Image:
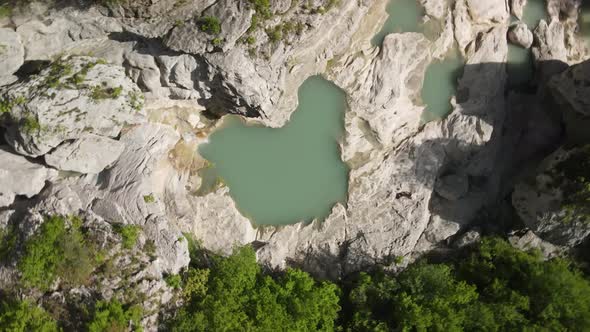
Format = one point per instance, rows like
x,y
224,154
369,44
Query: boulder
x,y
549,204
452,186
571,88
11,55
530,241
19,176
520,34
73,97
88,154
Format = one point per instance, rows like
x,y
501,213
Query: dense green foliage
x,y
492,287
56,250
113,316
129,235
23,316
262,8
234,295
496,288
210,25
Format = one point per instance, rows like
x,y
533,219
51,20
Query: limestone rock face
x,y
517,8
71,98
529,241
11,55
521,35
384,88
234,18
132,186
171,247
88,154
43,40
474,17
572,88
488,11
19,176
544,206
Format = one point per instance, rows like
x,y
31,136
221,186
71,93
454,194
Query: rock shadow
x,y
492,140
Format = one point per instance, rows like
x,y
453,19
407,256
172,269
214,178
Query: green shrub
x,y
174,281
23,316
275,34
99,92
113,316
210,25
129,235
31,124
56,251
262,7
5,11
217,41
149,198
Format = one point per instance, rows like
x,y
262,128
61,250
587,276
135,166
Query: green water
x,y
285,175
534,11
404,16
440,85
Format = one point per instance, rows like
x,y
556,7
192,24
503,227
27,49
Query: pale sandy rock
x,y
472,18
550,41
517,8
315,247
19,176
213,219
446,41
171,254
131,188
59,198
88,154
520,34
11,55
549,49
488,11
530,241
558,9
43,40
469,238
381,101
435,8
44,115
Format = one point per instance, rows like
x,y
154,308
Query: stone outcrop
x,y
71,98
520,35
11,55
19,176
88,154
